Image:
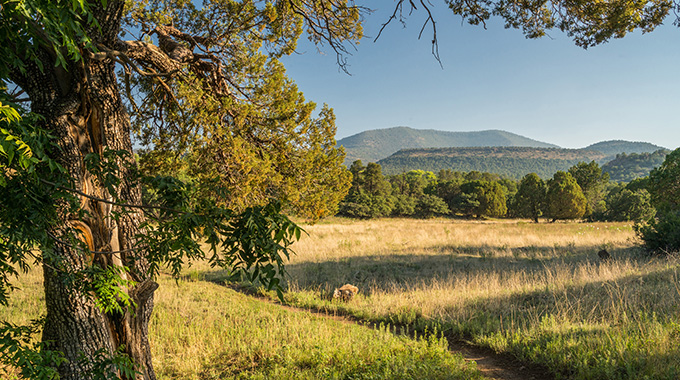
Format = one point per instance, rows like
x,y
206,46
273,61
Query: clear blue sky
x,y
547,89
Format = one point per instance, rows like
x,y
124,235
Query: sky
x,y
546,89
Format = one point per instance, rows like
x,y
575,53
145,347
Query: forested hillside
x,y
614,147
627,167
374,145
511,162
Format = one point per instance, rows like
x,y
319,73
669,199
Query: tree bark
x,y
82,108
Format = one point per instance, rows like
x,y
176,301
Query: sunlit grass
x,y
537,291
201,329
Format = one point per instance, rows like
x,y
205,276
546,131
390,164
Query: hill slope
x,y
627,167
512,162
614,147
373,145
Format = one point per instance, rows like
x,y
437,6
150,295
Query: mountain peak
x,y
376,144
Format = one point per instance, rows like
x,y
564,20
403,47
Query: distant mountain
x,y
512,162
614,147
627,167
373,145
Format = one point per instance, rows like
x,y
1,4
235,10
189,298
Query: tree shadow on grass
x,y
528,320
594,330
402,270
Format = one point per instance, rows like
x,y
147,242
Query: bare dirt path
x,y
491,364
499,366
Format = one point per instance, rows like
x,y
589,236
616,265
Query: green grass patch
x,y
203,330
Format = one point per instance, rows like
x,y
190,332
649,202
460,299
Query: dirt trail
x,y
498,366
491,364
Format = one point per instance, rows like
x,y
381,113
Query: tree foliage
x,y
509,162
628,167
370,194
662,233
588,23
482,198
429,205
530,200
226,105
565,198
592,181
201,85
624,204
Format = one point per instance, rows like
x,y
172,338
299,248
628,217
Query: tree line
x,y
511,162
583,191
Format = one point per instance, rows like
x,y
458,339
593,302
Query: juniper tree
x,y
564,197
530,199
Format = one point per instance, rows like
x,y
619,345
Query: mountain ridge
x,y
376,144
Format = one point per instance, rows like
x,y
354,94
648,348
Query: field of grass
x,y
203,330
539,292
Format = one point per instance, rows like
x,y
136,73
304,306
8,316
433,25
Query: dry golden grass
x,y
539,291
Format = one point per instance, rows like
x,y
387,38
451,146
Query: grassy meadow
x,y
201,329
539,292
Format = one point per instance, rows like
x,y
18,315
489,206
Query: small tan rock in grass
x,y
346,292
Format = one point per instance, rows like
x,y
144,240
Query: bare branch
x,y
435,43
324,29
399,9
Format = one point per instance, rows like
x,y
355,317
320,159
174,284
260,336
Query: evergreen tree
x,y
431,205
530,200
370,194
592,181
404,205
492,200
565,198
202,83
625,205
357,170
412,183
662,233
482,198
197,83
374,183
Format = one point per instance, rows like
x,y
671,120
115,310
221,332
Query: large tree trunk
x,y
83,110
96,121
